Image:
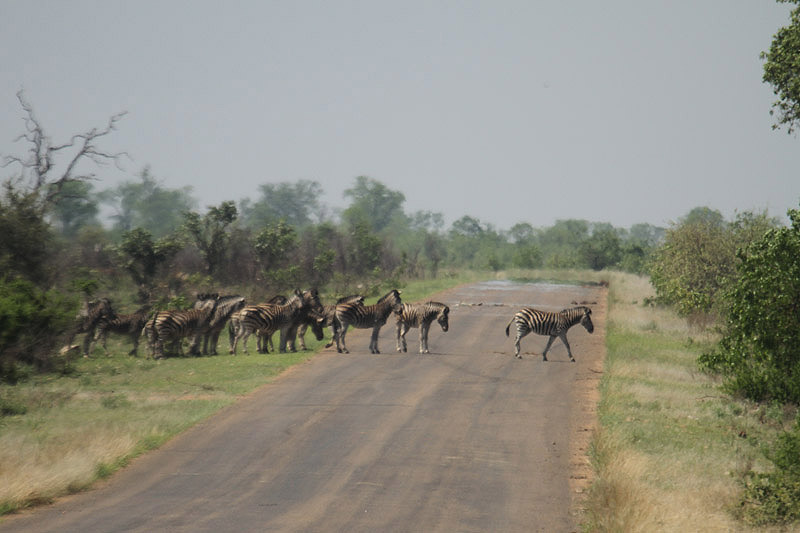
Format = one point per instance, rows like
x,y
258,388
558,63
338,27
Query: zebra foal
x,y
529,320
420,315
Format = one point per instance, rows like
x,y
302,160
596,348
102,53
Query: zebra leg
x,y
301,336
549,343
424,328
569,351
334,336
341,346
373,343
135,350
398,334
402,329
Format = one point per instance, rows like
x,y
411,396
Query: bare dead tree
x,y
39,173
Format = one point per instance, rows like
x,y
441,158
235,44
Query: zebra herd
x,y
166,330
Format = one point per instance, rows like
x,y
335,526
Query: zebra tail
x,y
508,326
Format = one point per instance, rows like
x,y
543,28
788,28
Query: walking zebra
x,y
173,325
328,312
226,306
90,315
555,325
267,319
420,315
363,316
128,324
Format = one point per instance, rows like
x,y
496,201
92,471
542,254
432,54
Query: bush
x,y
31,323
759,353
774,497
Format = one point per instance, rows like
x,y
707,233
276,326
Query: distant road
x,y
466,438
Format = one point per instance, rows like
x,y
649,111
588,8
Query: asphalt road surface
x,y
466,438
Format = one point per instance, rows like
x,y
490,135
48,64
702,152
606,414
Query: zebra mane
x,y
349,299
392,293
581,308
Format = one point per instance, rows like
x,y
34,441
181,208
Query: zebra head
x,y
311,300
586,320
443,318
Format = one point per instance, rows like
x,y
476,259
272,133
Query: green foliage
x,y
140,256
76,206
146,204
293,203
24,235
31,322
698,259
209,233
780,71
759,353
373,204
774,497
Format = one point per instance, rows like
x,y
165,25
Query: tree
x,y
602,249
372,204
141,257
294,203
74,208
759,353
780,70
273,247
48,167
694,262
209,233
147,204
698,259
24,236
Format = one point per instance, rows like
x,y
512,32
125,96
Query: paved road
x,y
464,439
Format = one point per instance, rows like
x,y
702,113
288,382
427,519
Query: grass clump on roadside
x,y
673,451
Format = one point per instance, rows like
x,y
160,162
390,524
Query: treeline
x,y
287,236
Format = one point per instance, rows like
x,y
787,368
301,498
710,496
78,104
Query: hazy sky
x,y
508,111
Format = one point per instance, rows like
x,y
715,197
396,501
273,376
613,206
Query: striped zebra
x,y
529,320
328,313
420,315
267,319
226,306
363,316
87,320
173,325
235,321
127,324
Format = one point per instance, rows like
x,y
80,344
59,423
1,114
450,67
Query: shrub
x,y
759,353
31,322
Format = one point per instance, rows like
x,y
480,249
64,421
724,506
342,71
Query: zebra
x,y
267,319
174,325
226,306
328,313
87,320
128,324
363,316
420,315
548,323
313,319
235,321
